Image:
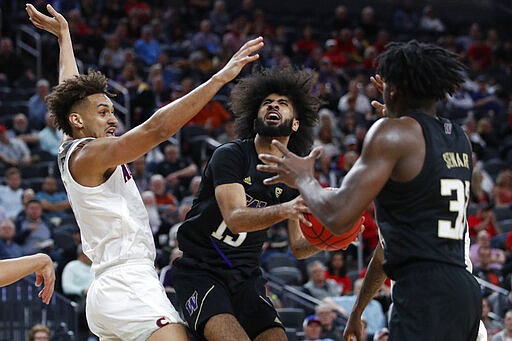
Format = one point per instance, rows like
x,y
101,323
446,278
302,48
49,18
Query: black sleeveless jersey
x,y
203,237
425,219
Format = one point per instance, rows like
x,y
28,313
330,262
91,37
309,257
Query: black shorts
x,y
433,301
201,294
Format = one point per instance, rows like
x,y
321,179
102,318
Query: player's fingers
x,y
39,279
268,159
316,152
272,180
304,220
282,148
267,168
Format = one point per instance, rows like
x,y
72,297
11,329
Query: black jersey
x,y
203,237
425,219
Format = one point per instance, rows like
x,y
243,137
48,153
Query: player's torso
x,y
206,237
112,218
425,218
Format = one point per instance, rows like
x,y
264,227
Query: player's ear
x,y
75,120
295,125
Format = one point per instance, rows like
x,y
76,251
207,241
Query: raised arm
x,y
58,26
14,269
107,153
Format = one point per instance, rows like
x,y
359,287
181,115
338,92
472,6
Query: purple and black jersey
x,y
203,237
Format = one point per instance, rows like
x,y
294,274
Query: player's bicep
x,y
230,197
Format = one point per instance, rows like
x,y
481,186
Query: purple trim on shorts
x,y
226,260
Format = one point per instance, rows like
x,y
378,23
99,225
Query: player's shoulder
x,y
235,146
393,131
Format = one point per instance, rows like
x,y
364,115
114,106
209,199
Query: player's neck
x,y
263,144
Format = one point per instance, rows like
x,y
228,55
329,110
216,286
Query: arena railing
x,y
21,308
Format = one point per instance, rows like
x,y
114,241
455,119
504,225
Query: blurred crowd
x,y
160,50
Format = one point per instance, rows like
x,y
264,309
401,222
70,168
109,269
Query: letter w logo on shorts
x,y
191,304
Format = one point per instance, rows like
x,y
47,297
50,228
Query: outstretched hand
x,y
56,24
46,275
290,168
379,85
245,55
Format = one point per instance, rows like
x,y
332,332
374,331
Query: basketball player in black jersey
x,y
218,282
417,166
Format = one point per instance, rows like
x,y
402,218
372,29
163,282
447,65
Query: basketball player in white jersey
x,y
126,300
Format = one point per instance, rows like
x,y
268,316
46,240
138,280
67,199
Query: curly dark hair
x,y
72,92
249,93
421,70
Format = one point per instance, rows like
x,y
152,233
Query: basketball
x,y
319,236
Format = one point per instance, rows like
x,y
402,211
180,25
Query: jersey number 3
x,y
445,228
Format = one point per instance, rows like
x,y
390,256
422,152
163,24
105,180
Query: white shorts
x,y
127,302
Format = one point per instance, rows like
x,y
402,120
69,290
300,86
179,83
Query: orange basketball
x,y
319,236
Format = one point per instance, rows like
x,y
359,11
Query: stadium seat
x,y
292,317
279,259
287,274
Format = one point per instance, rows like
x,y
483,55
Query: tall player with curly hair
x,y
218,281
417,167
126,300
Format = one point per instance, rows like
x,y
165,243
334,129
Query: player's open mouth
x,y
111,132
273,116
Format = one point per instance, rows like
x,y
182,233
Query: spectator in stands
x,y
55,203
312,327
478,194
11,65
484,240
140,173
206,39
229,132
8,247
165,274
211,117
193,188
39,332
355,92
146,47
50,137
429,22
493,326
483,219
34,233
479,54
22,130
502,191
506,333
112,56
11,193
459,104
37,108
77,277
318,285
219,17
373,314
485,272
368,23
167,202
177,170
331,329
337,270
13,151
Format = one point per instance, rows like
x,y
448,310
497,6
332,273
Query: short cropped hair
x,y
72,92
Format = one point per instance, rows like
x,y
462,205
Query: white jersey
x,y
113,221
